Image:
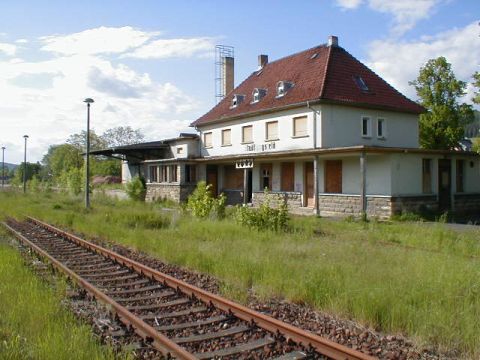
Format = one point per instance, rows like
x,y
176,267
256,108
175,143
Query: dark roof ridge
x,y
380,77
296,53
325,72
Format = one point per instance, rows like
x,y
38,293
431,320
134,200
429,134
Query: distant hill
x,y
8,165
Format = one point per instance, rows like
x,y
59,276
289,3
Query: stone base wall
x,y
174,192
467,203
351,205
293,199
414,204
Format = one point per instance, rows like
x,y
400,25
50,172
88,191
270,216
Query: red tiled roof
x,y
327,76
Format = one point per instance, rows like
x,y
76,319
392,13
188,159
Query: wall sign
x,y
260,147
244,164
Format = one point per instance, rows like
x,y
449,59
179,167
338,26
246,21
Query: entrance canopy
x,y
139,152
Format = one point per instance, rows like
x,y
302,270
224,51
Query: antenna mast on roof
x,y
224,71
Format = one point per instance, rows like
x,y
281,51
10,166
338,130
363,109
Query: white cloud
x,y
8,49
21,41
349,4
167,48
400,62
97,41
406,13
44,98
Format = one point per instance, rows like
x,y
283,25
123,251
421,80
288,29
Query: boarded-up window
x,y
164,173
427,176
300,126
233,178
288,176
247,134
226,137
333,176
207,139
153,174
266,176
190,173
272,130
460,175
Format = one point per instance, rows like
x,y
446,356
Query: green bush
x,y
265,217
136,189
201,204
72,181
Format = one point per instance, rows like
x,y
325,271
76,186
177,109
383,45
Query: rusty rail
x,y
162,343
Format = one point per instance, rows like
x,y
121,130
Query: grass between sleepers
x,y
33,323
421,280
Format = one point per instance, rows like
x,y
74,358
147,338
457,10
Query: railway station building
x,y
323,133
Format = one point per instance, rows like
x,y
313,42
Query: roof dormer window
x,y
361,83
283,87
257,94
237,100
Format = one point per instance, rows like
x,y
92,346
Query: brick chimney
x,y
262,60
228,72
332,40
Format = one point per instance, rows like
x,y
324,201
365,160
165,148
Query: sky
x,y
149,64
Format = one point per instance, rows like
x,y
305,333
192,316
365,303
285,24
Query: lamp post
x,y
25,165
3,166
88,101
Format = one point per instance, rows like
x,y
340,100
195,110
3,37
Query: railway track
x,y
178,319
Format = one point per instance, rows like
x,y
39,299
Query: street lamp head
x,y
88,100
25,136
3,147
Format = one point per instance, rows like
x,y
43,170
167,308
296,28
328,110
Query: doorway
x,y
444,184
212,178
309,198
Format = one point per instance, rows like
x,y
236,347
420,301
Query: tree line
x,y
63,165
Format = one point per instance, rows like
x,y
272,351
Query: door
x,y
333,176
266,176
288,176
309,200
249,185
444,184
212,178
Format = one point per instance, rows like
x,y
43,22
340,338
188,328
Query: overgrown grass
x,y
422,280
33,324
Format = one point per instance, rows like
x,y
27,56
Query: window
x,y
207,140
266,176
164,173
179,150
256,96
288,174
173,173
360,83
280,89
381,128
366,126
237,100
153,174
427,176
300,126
226,137
460,175
272,130
190,173
247,134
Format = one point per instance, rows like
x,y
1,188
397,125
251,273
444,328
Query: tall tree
x,y
61,158
476,84
80,141
442,126
122,135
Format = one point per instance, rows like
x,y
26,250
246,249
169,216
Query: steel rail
x,y
305,338
160,342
